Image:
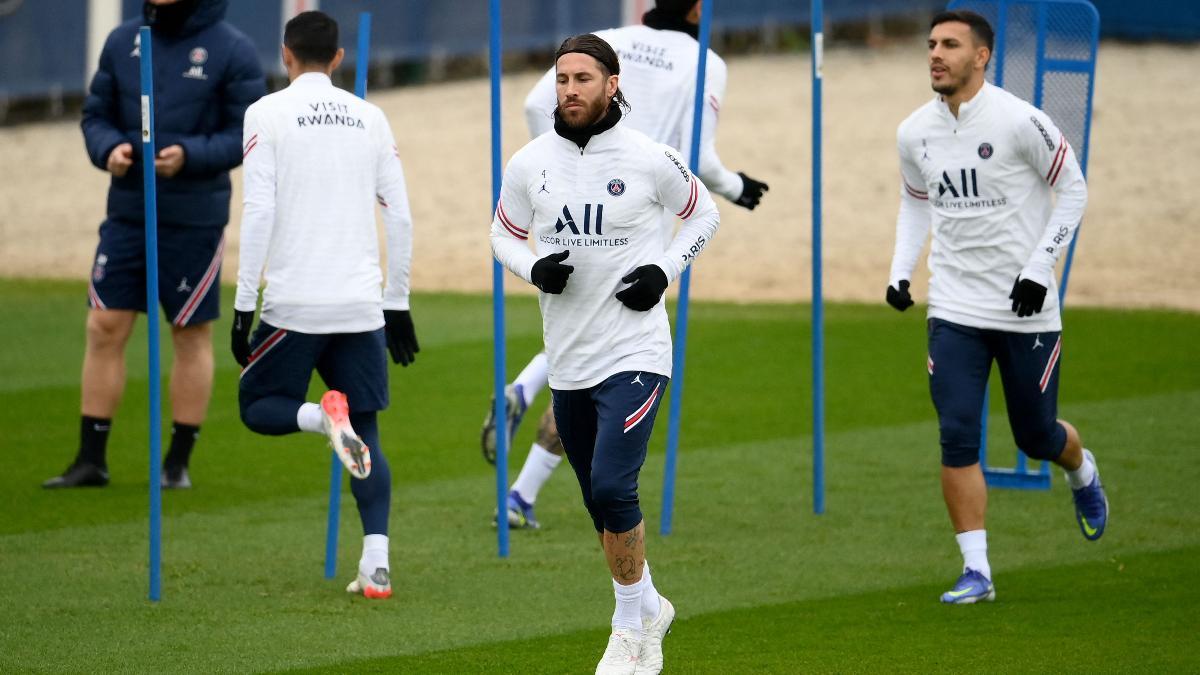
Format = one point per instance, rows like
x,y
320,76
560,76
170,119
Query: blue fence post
x,y
818,301
498,340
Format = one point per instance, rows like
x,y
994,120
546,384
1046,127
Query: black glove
x,y
549,274
1027,296
752,192
401,337
239,337
649,282
900,299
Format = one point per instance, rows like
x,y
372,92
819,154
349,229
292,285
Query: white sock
x,y
973,545
310,418
1083,476
539,464
375,553
534,377
628,613
650,600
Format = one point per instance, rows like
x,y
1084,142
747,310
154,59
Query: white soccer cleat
x,y
621,655
335,418
651,658
378,586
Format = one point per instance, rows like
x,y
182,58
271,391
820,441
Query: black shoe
x,y
79,474
175,478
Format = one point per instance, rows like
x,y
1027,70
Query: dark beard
x,y
595,110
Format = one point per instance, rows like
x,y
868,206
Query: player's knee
x,y
109,329
959,440
958,456
1044,441
617,500
193,341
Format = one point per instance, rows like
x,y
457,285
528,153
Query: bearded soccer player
x,y
317,159
1000,188
659,60
602,267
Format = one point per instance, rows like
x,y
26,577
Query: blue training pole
x,y
498,358
149,189
818,301
361,61
681,315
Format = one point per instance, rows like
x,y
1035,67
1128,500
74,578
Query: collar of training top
x,y
660,20
581,137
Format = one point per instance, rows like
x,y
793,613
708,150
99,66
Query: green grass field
x,y
761,584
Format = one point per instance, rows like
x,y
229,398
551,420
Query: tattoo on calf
x,y
626,568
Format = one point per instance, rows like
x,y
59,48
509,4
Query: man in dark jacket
x,y
206,74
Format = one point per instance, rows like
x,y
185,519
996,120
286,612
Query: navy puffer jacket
x,y
205,76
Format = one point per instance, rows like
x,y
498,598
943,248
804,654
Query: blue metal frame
x,y
495,66
1020,476
361,63
150,190
818,300
685,282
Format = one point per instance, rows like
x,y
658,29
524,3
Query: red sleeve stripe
x,y
1061,161
1056,165
512,229
253,144
250,141
915,192
382,202
691,203
716,105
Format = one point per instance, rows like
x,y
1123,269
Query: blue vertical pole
x,y
818,301
361,61
685,283
498,356
149,189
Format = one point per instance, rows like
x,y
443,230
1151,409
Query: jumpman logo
x,y
925,149
638,380
183,286
1037,342
543,183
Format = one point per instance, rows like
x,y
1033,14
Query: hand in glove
x,y
1028,297
549,274
752,192
900,299
648,283
239,336
401,336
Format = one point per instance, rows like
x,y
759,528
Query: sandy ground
x,y
1139,244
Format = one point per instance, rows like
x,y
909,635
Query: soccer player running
x,y
317,158
979,167
659,62
207,74
602,266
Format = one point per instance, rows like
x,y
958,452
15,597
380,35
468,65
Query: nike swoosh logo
x,y
959,594
1087,528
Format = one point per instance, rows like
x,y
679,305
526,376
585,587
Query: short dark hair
x,y
312,37
980,28
597,48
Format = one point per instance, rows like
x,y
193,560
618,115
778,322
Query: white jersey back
x,y
983,181
318,158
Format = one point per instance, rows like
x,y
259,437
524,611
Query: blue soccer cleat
x,y
519,512
514,410
1091,505
970,588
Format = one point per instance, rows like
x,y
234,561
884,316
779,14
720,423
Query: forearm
x,y
693,236
399,228
257,222
514,254
912,228
1060,229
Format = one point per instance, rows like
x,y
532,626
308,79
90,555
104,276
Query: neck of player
x,y
964,94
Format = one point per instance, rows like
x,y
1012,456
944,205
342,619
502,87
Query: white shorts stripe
x,y
198,293
1054,354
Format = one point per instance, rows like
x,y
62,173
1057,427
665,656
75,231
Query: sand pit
x,y
1138,247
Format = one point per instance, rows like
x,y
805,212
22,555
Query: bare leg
x,y
547,433
103,379
1072,455
626,553
191,373
965,493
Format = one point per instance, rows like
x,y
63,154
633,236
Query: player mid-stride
x,y
979,167
317,159
602,266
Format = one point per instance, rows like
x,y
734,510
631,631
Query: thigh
x,y
281,363
575,418
189,273
1028,364
356,365
118,279
626,405
959,363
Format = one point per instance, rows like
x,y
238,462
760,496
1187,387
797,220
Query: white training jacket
x,y
317,159
983,184
658,78
604,204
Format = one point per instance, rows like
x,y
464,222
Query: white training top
x,y
604,205
984,182
317,159
658,78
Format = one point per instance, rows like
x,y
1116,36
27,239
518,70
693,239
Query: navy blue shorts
x,y
189,271
605,430
960,360
282,363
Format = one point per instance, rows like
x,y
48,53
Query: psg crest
x,y
616,187
985,150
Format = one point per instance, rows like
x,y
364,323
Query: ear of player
x,y
549,274
752,192
648,283
239,337
401,336
899,298
1028,297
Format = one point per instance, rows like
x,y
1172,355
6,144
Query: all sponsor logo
x,y
616,187
567,221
